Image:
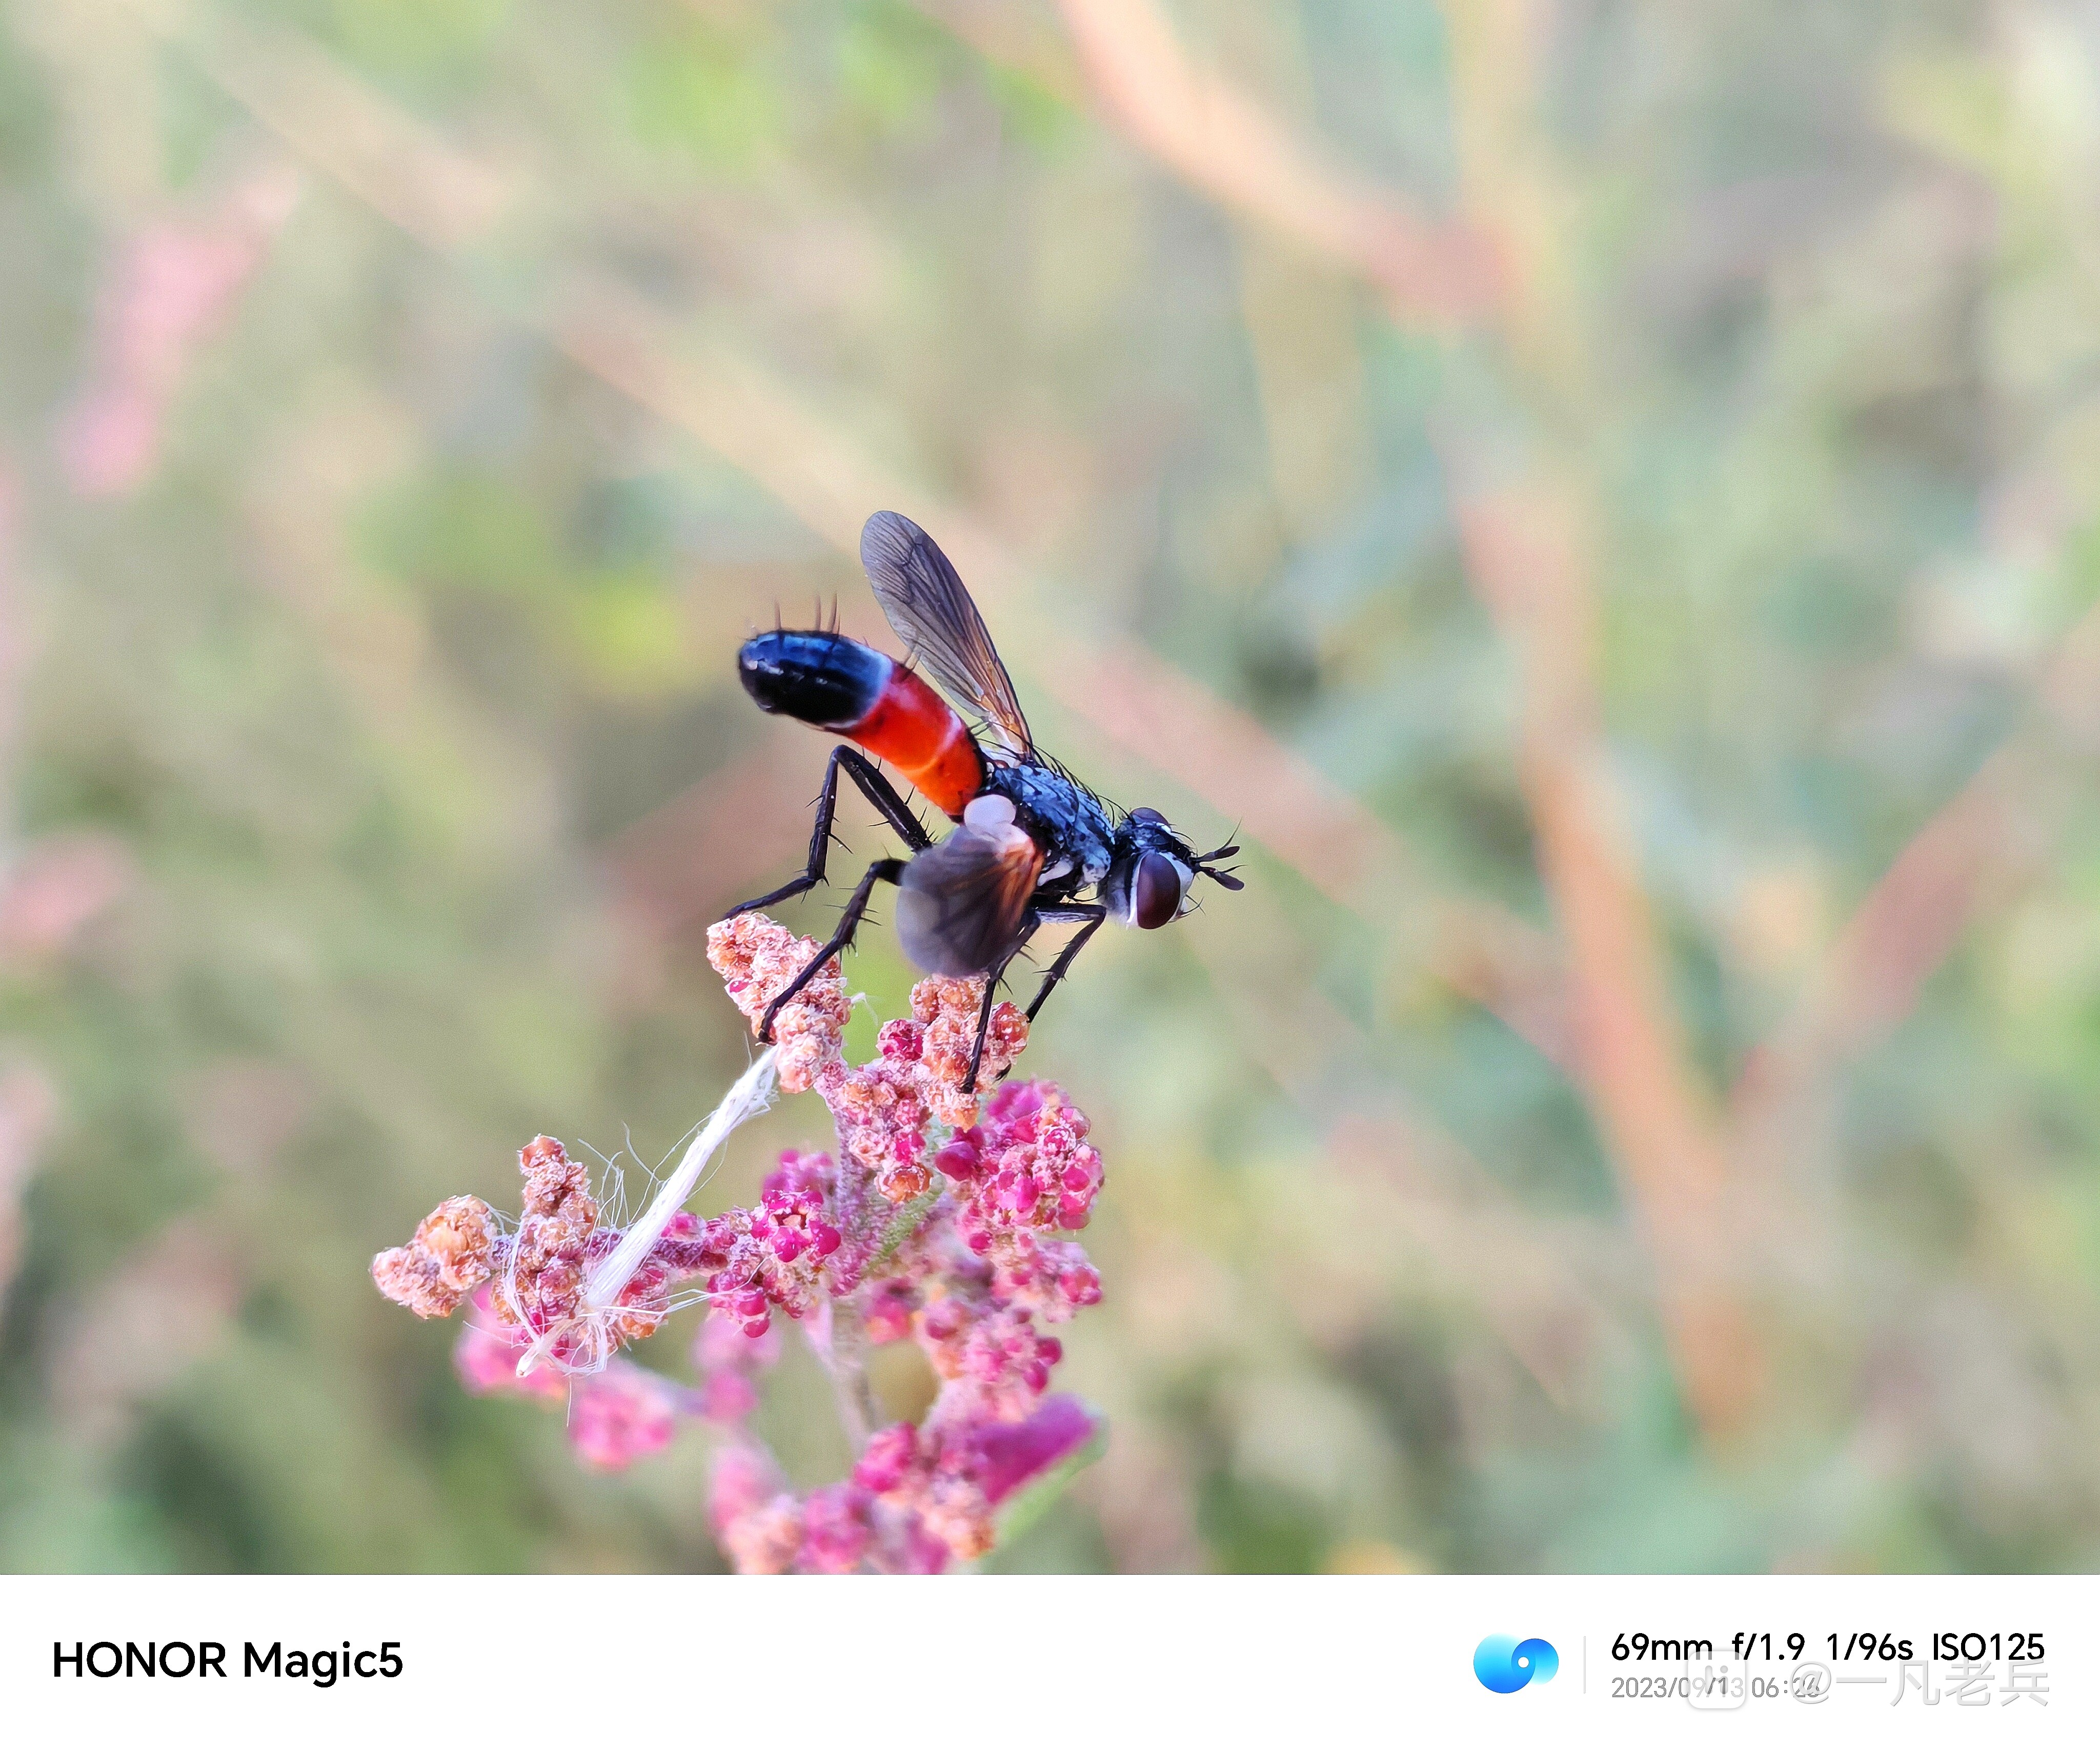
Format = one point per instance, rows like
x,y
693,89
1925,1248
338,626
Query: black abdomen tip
x,y
822,678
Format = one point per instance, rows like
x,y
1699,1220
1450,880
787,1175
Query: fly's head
x,y
1152,869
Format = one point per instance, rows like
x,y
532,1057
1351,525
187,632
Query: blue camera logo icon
x,y
1504,1664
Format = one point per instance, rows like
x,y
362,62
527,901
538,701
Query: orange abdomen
x,y
918,732
854,690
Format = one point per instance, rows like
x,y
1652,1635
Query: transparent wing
x,y
959,903
932,612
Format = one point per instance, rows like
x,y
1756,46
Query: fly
x,y
1031,846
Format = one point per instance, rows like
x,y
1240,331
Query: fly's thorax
x,y
1068,822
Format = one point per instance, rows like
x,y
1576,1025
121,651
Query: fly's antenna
x,y
1205,865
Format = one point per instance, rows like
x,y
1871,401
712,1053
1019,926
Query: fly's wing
x,y
932,612
960,904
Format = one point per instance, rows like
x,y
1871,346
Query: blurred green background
x,y
1603,494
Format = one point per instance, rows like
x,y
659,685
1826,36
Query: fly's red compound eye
x,y
1151,816
1156,891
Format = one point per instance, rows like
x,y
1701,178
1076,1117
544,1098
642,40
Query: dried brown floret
x,y
544,1283
451,1254
554,1186
949,1010
757,958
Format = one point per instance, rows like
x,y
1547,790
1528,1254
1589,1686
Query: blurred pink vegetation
x,y
51,889
175,283
940,1219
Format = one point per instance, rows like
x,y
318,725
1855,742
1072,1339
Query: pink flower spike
x,y
889,1455
621,1415
721,1343
728,1398
486,1354
957,1160
835,1533
743,1481
1015,1101
1011,1454
887,1317
919,1552
935,1221
902,1040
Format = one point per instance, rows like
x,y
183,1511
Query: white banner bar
x,y
1062,1663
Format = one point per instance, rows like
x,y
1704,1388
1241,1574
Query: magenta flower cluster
x,y
943,1219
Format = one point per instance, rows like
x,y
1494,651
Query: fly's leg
x,y
1092,917
867,777
877,789
883,869
1029,926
